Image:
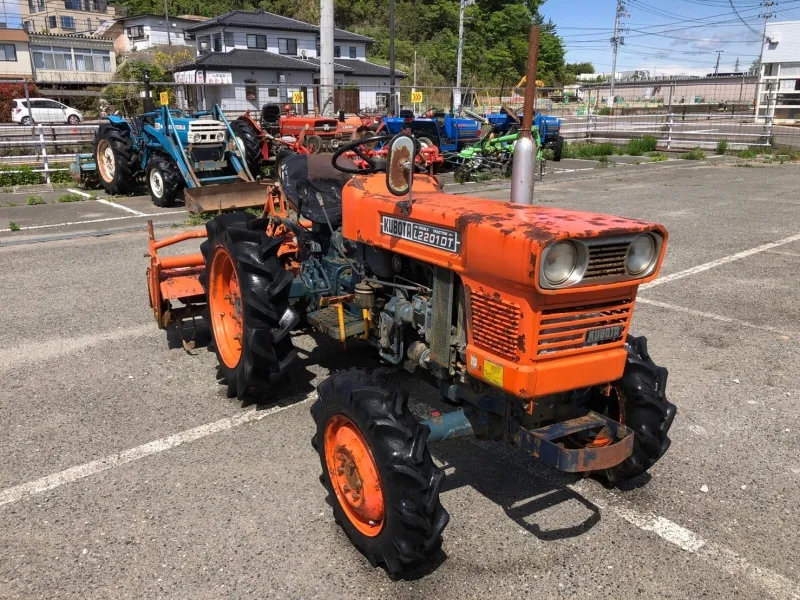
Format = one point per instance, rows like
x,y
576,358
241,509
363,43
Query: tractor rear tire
x,y
425,142
119,166
250,137
164,181
558,149
644,409
254,305
376,467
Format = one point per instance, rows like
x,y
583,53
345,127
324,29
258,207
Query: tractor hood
x,y
487,238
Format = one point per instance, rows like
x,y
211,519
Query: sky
x,y
666,37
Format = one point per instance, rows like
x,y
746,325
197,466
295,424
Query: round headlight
x,y
220,136
196,138
641,254
560,262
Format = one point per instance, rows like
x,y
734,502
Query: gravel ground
x,y
233,509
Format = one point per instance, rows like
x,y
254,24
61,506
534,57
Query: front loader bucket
x,y
222,197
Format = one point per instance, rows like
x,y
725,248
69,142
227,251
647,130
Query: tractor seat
x,y
307,178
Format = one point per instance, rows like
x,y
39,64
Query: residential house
x,y
247,59
15,58
72,59
142,32
778,96
64,16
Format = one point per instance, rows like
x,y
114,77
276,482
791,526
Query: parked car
x,y
43,110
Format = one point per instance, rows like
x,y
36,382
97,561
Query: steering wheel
x,y
357,146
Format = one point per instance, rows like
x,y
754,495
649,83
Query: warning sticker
x,y
493,373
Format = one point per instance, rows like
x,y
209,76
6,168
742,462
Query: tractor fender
x,y
113,122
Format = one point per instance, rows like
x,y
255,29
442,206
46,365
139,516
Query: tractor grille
x,y
606,259
566,329
208,131
325,127
495,325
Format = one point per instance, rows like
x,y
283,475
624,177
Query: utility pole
x,y
716,67
766,15
326,77
616,42
392,107
457,94
166,18
736,66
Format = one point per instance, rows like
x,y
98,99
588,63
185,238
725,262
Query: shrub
x,y
13,226
71,198
696,154
34,200
585,150
747,153
604,111
722,146
638,147
10,91
23,176
658,157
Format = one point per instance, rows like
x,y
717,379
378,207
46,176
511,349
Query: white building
x,y
248,59
778,96
142,32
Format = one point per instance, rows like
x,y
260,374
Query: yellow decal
x,y
164,98
298,98
493,373
416,97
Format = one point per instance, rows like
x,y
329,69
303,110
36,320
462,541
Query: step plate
x,y
326,320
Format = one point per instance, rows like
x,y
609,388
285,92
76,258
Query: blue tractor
x,y
175,150
506,122
437,128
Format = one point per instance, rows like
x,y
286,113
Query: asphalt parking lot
x,y
125,472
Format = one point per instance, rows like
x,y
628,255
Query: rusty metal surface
x,y
216,198
182,286
542,443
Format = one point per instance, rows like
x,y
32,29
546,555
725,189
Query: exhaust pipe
x,y
522,173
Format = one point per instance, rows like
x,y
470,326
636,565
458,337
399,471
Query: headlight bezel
x,y
583,247
578,268
651,262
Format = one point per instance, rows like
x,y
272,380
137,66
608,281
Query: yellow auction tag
x,y
164,98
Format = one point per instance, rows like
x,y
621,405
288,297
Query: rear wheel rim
x,y
106,161
354,476
225,300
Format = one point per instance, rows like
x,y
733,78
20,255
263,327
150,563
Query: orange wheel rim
x,y
354,475
225,305
603,438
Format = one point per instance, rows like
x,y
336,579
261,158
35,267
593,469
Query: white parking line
x,y
720,557
50,482
720,261
79,192
120,206
89,221
715,317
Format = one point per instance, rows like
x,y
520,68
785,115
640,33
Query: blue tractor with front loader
x,y
175,151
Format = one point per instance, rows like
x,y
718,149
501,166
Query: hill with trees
x,y
495,34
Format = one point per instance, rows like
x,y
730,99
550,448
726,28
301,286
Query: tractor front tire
x,y
558,149
116,160
376,467
247,290
164,181
313,143
250,138
644,409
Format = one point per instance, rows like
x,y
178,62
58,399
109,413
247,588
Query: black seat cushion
x,y
308,178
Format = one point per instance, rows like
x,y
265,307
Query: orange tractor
x,y
518,314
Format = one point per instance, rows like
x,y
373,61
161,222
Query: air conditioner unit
x,y
304,54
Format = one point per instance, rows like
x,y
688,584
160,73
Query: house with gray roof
x,y
246,59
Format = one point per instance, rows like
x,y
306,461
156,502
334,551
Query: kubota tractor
x,y
518,314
